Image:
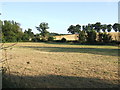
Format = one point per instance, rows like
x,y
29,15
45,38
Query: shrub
x,y
82,37
107,38
91,37
63,40
50,38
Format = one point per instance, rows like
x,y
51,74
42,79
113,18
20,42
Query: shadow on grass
x,y
55,81
99,51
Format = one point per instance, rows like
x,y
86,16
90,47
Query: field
x,y
52,65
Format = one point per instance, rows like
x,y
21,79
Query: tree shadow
x,y
55,81
98,51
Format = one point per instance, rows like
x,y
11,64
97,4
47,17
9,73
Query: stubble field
x,y
52,65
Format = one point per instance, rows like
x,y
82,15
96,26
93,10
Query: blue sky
x,y
59,15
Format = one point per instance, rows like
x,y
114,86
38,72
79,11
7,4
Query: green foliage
x,y
82,36
74,29
97,26
109,27
91,36
104,27
107,38
11,31
63,40
53,34
100,37
43,31
116,27
36,38
50,38
28,35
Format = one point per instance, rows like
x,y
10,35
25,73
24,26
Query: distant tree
x,y
97,26
74,29
83,28
1,38
116,27
88,27
11,31
36,38
50,38
119,27
43,30
109,28
53,34
28,35
63,39
100,37
91,36
82,36
107,38
104,27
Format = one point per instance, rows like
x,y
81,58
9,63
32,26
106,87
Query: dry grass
x,y
60,65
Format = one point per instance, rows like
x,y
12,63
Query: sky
x,y
59,15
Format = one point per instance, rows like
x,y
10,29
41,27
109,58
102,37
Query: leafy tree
x,y
97,26
107,38
109,27
104,27
28,35
63,40
53,34
74,29
11,31
1,23
83,28
91,36
100,37
50,38
43,30
116,27
36,38
82,36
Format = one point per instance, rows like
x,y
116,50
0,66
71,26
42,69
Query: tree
x,y
91,36
74,29
97,26
63,39
107,38
116,27
109,27
11,31
43,30
28,35
83,28
50,38
82,36
104,27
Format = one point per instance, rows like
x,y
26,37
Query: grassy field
x,y
51,65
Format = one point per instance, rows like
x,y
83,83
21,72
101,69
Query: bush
x,y
91,37
107,38
82,37
50,38
36,39
63,40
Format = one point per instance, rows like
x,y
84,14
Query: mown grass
x,y
64,65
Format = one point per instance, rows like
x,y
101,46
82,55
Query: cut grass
x,y
54,65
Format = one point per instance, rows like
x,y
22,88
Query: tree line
x,y
12,32
94,33
91,33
